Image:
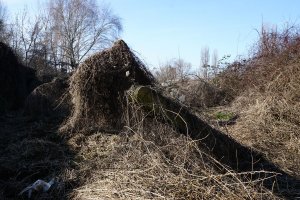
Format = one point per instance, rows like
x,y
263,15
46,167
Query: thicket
x,y
266,91
270,58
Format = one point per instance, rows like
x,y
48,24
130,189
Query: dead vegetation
x,y
270,104
156,164
270,118
196,93
49,100
148,158
16,80
31,150
98,85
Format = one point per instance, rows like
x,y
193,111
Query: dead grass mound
x,y
148,159
269,98
274,51
16,80
97,87
49,99
270,120
151,160
266,90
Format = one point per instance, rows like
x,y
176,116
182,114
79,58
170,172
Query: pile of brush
x,y
98,86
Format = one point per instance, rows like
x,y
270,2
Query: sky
x,y
161,30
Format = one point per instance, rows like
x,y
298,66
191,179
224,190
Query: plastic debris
x,y
39,186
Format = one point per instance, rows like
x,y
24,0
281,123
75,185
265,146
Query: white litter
x,y
39,186
182,98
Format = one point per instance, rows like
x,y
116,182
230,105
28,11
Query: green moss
x,y
224,115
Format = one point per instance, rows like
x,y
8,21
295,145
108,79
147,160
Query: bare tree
x,y
214,62
26,36
174,70
77,28
205,61
2,21
166,73
182,68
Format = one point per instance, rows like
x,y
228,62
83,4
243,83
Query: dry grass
x,y
97,87
270,120
267,98
150,160
197,93
271,55
155,164
49,99
31,150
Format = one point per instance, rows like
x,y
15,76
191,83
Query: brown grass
x,y
271,55
270,120
267,98
98,85
148,159
152,161
49,99
197,93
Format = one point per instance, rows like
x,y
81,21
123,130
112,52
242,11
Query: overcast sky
x,y
160,30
